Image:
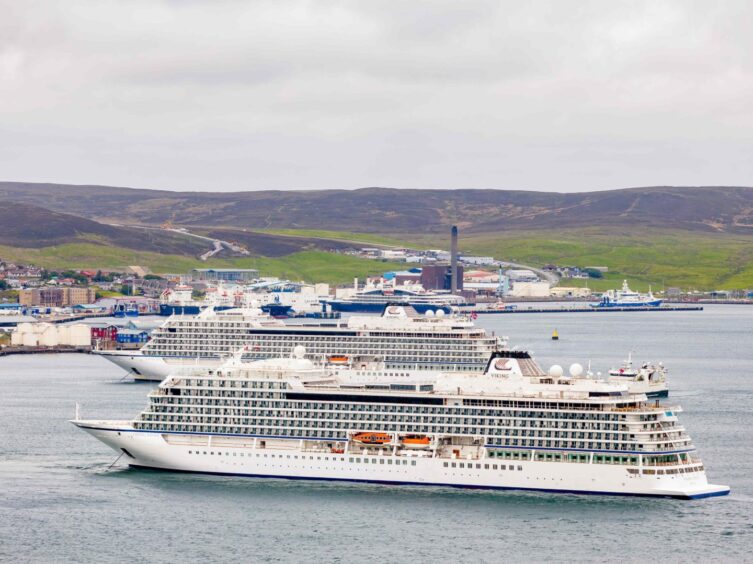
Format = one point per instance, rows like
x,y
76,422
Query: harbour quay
x,y
576,309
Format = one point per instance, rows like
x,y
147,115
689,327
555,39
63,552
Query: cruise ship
x,y
401,337
510,427
374,300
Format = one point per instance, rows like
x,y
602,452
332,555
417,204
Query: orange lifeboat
x,y
416,441
372,438
338,359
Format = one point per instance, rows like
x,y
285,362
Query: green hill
x,y
311,266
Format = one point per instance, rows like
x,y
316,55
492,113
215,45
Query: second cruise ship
x,y
400,337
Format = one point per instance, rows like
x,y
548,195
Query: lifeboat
x,y
372,438
416,441
337,450
338,359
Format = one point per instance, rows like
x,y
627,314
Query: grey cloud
x,y
563,95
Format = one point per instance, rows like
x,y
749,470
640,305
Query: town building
x,y
51,296
224,274
569,292
530,290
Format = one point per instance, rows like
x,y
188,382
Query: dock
x,y
583,309
44,350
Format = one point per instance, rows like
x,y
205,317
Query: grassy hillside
x,y
671,258
311,266
348,236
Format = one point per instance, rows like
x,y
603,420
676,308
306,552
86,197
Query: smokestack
x,y
454,259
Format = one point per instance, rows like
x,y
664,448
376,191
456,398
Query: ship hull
x,y
239,456
156,368
606,304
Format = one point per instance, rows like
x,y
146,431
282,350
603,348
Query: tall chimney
x,y
454,260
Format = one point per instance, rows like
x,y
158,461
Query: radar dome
x,y
440,313
429,313
555,371
576,370
299,351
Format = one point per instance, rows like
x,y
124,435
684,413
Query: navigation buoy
x,y
555,336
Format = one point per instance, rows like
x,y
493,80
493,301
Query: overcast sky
x,y
241,95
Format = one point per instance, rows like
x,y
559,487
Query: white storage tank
x,y
79,335
30,339
49,337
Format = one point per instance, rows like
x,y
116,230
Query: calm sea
x,y
60,500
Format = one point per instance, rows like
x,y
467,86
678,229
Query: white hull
x,y
156,368
242,456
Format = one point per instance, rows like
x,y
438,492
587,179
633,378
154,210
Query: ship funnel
x,y
454,259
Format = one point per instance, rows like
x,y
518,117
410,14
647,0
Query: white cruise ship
x,y
402,338
511,427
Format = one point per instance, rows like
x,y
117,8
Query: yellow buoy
x,y
555,336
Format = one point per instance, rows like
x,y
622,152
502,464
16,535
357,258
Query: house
x,y
131,336
104,332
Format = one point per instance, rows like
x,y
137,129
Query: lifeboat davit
x,y
372,438
416,441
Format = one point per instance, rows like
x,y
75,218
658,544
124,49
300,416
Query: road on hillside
x,y
217,244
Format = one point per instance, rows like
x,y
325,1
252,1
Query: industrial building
x,y
439,277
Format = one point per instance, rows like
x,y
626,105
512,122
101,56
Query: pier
x,y
582,309
44,350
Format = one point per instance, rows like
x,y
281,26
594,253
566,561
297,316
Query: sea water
x,y
62,501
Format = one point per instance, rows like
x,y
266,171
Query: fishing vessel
x,y
626,297
510,427
373,299
650,379
400,336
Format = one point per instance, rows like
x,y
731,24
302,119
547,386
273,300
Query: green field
x,y
660,258
310,266
657,258
365,238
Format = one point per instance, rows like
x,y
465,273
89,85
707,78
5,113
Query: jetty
x,y
508,310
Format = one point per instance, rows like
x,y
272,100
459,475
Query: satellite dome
x,y
429,313
440,313
576,370
555,371
299,351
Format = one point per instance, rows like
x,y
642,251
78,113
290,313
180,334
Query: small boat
x,y
338,359
337,450
555,336
416,441
372,438
626,370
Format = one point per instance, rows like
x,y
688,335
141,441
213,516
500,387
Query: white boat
x,y
626,297
401,337
503,429
649,378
